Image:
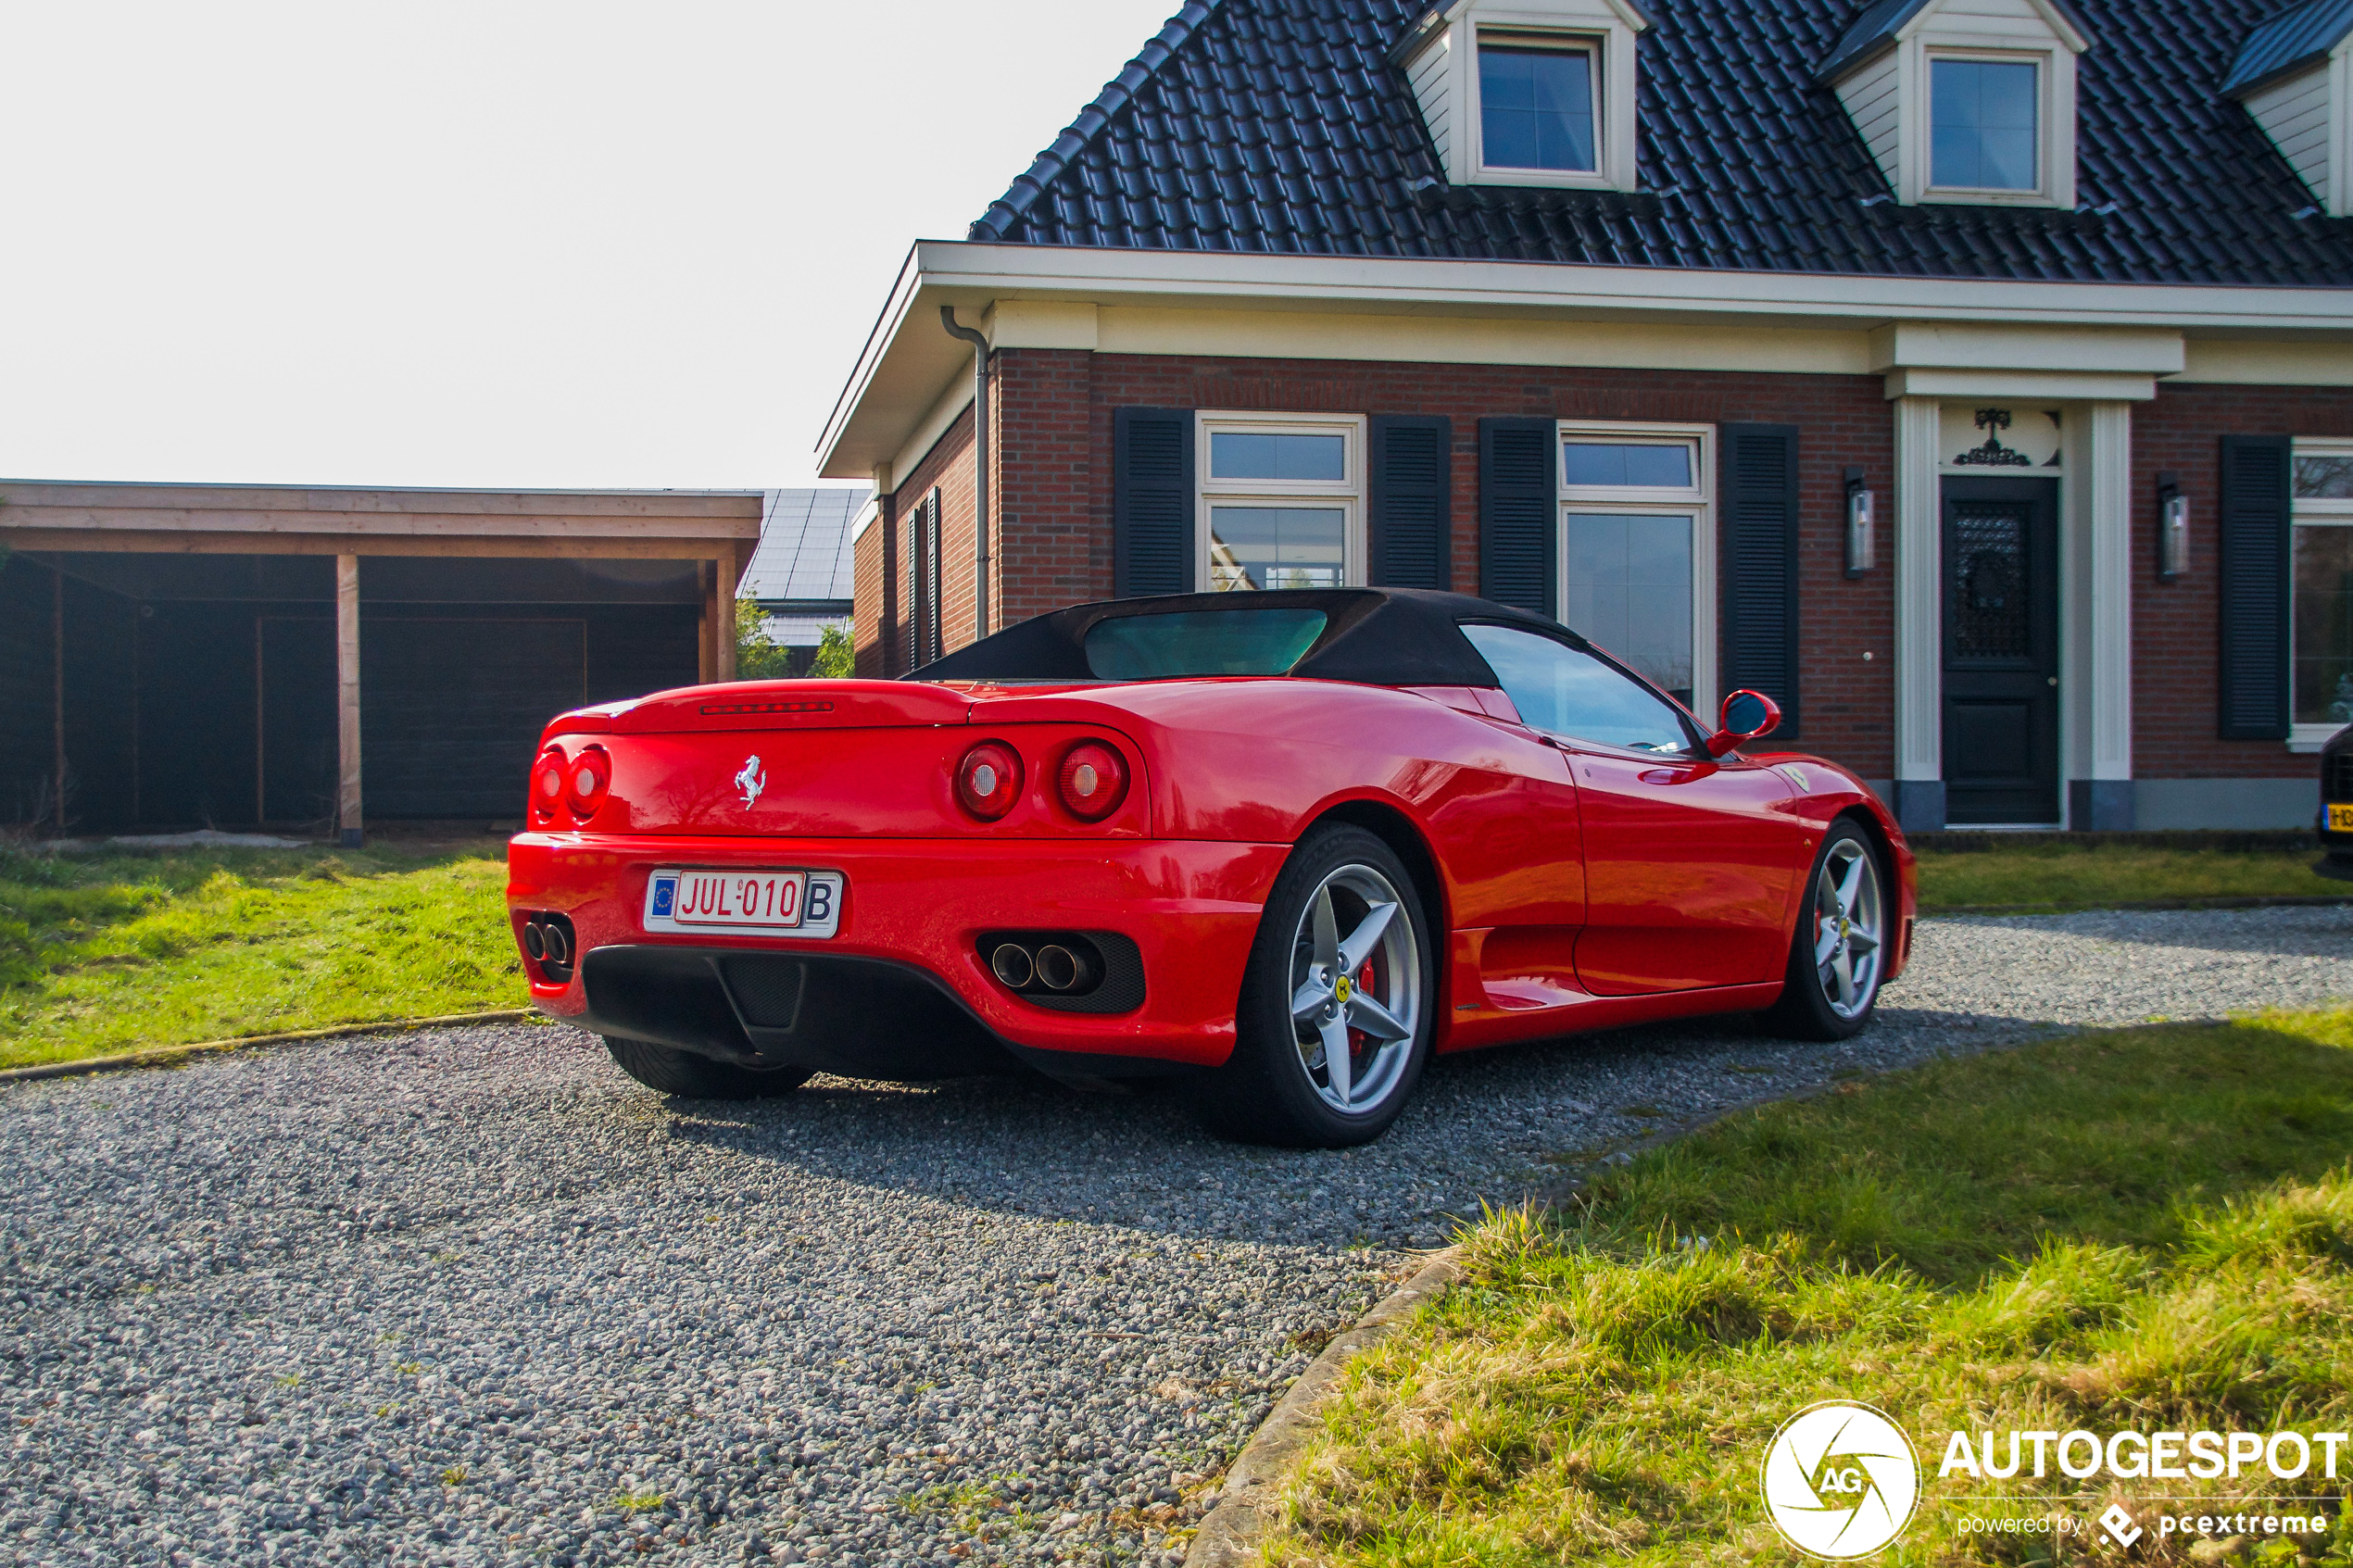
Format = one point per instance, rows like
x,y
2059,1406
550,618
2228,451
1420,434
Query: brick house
x,y
1974,376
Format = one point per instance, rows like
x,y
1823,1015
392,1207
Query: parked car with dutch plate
x,y
1283,845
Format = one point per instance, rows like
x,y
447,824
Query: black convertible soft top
x,y
1374,636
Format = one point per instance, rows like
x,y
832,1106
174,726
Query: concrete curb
x,y
1229,1533
169,1055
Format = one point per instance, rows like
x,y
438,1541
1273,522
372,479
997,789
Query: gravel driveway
x,y
473,1297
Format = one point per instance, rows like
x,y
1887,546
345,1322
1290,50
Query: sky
x,y
491,243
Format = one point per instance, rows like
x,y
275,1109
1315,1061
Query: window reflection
x,y
2325,479
2323,625
1626,465
1630,590
1275,547
1982,135
1261,454
1568,691
1536,108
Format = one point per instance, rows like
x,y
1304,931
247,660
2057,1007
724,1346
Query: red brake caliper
x,y
1366,980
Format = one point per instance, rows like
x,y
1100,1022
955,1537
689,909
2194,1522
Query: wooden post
x,y
260,703
347,818
57,672
723,602
705,630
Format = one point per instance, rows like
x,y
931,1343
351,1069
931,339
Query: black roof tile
x,y
1281,127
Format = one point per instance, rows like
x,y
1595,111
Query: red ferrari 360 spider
x,y
1285,845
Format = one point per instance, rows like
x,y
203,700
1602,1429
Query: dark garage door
x,y
451,710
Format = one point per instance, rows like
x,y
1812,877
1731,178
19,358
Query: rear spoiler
x,y
772,705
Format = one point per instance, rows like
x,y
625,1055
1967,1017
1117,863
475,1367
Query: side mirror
x,y
1747,716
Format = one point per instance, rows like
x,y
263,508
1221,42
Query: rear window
x,y
1226,641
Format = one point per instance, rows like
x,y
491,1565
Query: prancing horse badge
x,y
750,782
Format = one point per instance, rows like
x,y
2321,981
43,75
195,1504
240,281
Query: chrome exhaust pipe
x,y
534,941
558,950
1059,969
1011,963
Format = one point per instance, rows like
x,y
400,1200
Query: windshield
x,y
1229,641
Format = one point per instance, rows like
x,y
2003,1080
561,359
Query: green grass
x,y
2096,876
106,953
2148,1229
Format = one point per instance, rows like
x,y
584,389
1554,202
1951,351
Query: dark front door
x,y
2001,650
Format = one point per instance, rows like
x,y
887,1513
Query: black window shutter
x,y
1758,478
933,642
911,550
2253,530
1518,534
1152,502
1411,517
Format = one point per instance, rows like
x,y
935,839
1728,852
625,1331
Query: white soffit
x,y
908,360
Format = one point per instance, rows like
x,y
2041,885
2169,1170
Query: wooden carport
x,y
717,529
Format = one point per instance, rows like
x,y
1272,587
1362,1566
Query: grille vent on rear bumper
x,y
2336,777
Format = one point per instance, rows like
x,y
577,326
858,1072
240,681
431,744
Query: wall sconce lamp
x,y
1862,546
2172,528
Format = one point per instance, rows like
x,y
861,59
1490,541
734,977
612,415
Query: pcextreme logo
x,y
1841,1480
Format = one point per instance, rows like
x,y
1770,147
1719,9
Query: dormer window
x,y
1964,103
1984,119
1535,103
1527,91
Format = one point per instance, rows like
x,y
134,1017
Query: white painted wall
x,y
1431,73
1872,103
2295,114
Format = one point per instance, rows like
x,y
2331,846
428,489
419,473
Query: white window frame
x,y
2055,129
2315,513
1596,48
1698,503
1347,494
2046,120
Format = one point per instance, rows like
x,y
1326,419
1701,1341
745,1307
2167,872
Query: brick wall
x,y
881,617
1056,460
1052,420
1051,471
2176,648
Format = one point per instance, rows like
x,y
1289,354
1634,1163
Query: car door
x,y
1689,858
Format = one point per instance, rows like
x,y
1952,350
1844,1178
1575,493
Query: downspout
x,y
980,463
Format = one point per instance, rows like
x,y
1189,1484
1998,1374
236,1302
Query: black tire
x,y
698,1077
1809,1007
1268,1091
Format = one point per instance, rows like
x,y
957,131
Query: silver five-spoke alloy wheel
x,y
1355,988
1849,929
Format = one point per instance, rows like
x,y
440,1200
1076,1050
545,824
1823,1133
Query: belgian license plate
x,y
2340,818
798,903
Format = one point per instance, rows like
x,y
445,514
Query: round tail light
x,y
547,782
586,780
1092,780
988,780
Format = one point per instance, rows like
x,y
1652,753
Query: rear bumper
x,y
904,967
